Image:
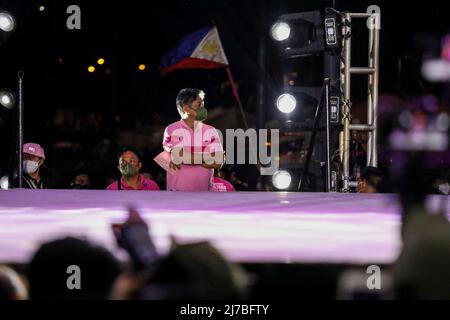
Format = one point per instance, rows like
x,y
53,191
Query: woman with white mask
x,y
33,158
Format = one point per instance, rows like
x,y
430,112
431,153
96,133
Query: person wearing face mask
x,y
129,167
33,158
195,147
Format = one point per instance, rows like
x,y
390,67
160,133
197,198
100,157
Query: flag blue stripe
x,y
184,48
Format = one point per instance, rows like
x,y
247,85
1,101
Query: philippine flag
x,y
199,50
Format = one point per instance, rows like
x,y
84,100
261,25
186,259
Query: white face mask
x,y
30,166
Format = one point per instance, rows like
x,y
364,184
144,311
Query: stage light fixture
x,y
91,69
7,22
299,34
280,31
142,67
301,100
286,103
100,61
7,98
281,179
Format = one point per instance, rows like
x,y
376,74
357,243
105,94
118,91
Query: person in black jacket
x,y
33,158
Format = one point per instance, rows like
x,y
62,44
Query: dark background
x,y
81,118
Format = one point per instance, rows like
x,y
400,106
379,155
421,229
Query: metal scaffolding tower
x,y
372,71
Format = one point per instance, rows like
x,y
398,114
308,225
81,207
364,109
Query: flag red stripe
x,y
192,63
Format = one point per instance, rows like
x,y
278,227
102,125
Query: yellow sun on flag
x,y
210,47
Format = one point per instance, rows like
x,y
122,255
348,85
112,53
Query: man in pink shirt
x,y
222,185
195,147
131,179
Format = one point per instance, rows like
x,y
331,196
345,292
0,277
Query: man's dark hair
x,y
122,150
374,177
47,271
185,97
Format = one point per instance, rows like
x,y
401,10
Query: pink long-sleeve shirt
x,y
203,139
144,184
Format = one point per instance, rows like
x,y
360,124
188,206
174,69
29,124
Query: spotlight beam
x,y
281,179
7,22
280,31
286,103
7,98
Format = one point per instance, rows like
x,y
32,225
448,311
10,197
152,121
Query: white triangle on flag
x,y
210,48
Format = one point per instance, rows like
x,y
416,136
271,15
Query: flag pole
x,y
236,96
238,99
233,86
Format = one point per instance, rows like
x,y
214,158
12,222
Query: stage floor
x,y
246,226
